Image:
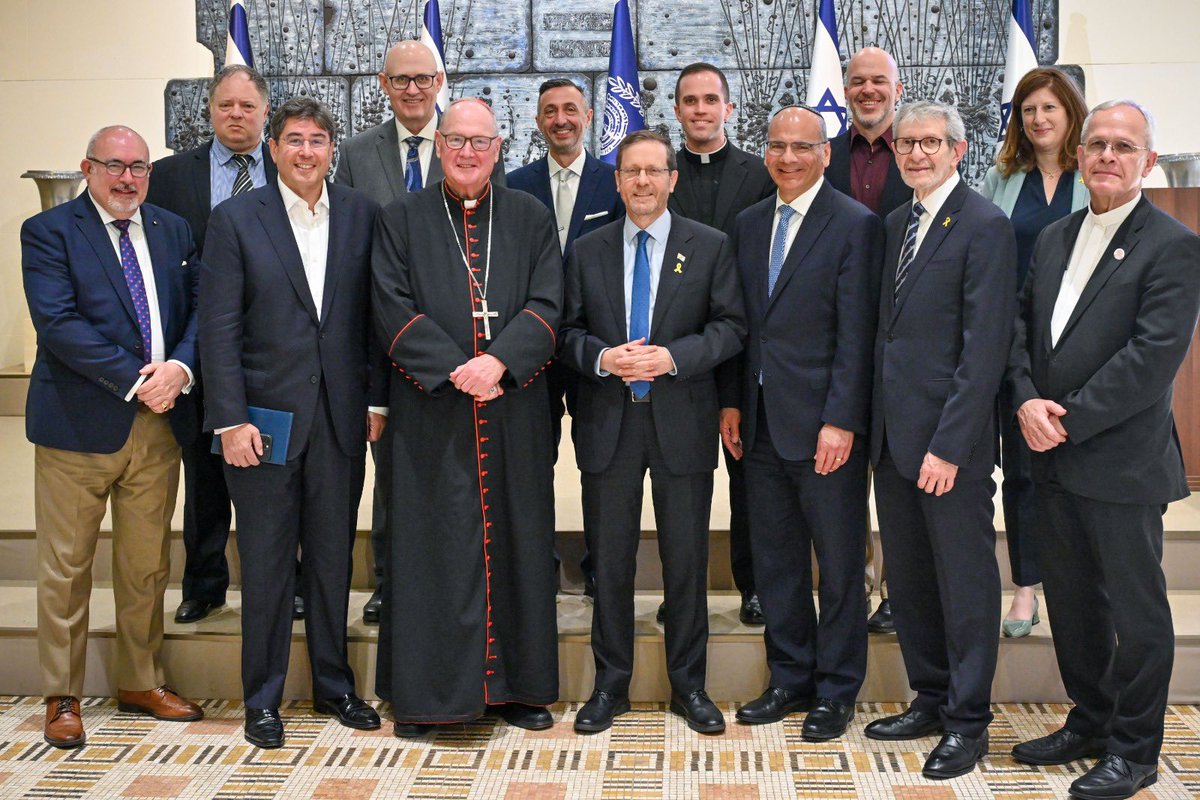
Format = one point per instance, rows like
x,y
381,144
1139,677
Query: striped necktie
x,y
412,164
243,182
908,253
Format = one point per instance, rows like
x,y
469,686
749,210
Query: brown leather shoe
x,y
160,703
64,727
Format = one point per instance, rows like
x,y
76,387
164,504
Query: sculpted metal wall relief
x,y
501,50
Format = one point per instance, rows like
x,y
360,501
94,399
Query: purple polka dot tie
x,y
137,289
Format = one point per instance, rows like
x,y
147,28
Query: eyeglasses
x,y
1120,148
632,173
456,142
778,148
929,145
401,82
298,142
138,169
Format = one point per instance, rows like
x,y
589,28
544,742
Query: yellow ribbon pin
x,y
946,222
679,269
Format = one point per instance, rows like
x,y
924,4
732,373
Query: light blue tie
x,y
778,245
639,306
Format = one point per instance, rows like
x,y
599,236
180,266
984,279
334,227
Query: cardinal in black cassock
x,y
467,296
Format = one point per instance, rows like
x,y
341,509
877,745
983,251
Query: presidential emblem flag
x,y
237,40
826,89
1021,57
622,103
431,37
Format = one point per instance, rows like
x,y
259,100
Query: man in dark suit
x,y
1106,316
945,322
652,306
284,325
111,285
386,161
809,260
861,165
191,184
717,181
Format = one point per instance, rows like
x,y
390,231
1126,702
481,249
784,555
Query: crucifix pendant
x,y
485,315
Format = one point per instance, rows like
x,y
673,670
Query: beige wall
x,y
62,76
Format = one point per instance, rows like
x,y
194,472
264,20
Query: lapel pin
x,y
946,222
679,269
680,257
1119,253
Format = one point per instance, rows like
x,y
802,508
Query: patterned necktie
x,y
564,204
242,183
412,164
137,289
639,306
908,252
778,245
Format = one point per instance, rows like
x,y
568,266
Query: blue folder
x,y
276,423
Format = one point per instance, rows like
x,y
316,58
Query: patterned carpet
x,y
647,754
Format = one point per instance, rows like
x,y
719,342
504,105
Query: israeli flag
x,y
826,89
622,103
237,40
1021,57
431,37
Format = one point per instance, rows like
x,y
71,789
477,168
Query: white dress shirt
x,y
933,204
1095,235
311,229
800,205
137,237
424,149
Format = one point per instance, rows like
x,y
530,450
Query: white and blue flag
x,y
237,40
431,37
826,89
1021,57
623,103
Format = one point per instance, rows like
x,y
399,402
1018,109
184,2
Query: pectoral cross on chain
x,y
484,314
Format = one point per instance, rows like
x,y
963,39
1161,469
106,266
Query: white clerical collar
x,y
803,202
934,201
290,198
426,133
575,166
109,219
1114,216
714,155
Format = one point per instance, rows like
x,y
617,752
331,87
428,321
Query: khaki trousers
x,y
71,491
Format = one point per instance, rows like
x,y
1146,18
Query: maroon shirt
x,y
869,167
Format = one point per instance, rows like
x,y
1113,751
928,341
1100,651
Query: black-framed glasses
x,y
138,169
632,173
776,147
456,142
1122,148
401,82
929,145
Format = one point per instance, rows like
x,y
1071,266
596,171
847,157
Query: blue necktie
x,y
639,306
137,289
412,165
908,252
778,245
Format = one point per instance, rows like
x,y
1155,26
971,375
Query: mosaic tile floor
x,y
647,754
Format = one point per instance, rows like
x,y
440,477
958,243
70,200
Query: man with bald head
x,y
797,417
111,286
467,293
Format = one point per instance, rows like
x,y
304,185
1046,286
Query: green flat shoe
x,y
1017,628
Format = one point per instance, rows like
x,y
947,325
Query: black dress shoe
x,y
702,714
409,730
1060,747
881,620
351,711
955,755
371,609
589,586
598,712
194,610
531,718
264,728
751,610
1113,778
660,616
773,705
297,607
827,720
912,724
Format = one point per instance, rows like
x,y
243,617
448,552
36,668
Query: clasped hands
x,y
1041,424
637,361
480,377
163,385
833,443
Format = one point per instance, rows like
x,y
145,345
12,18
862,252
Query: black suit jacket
x,y
261,341
1114,365
941,347
744,182
596,203
813,338
895,192
698,316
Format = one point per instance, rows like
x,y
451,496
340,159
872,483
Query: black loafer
x,y
371,609
1060,747
598,712
773,705
410,730
751,611
702,714
297,607
350,710
912,724
660,616
531,718
881,620
194,610
1113,778
827,720
264,728
955,755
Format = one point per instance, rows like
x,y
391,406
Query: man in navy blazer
x,y
111,286
945,322
284,325
798,408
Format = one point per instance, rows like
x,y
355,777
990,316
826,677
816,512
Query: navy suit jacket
x,y
89,345
261,341
942,344
813,338
597,202
895,192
